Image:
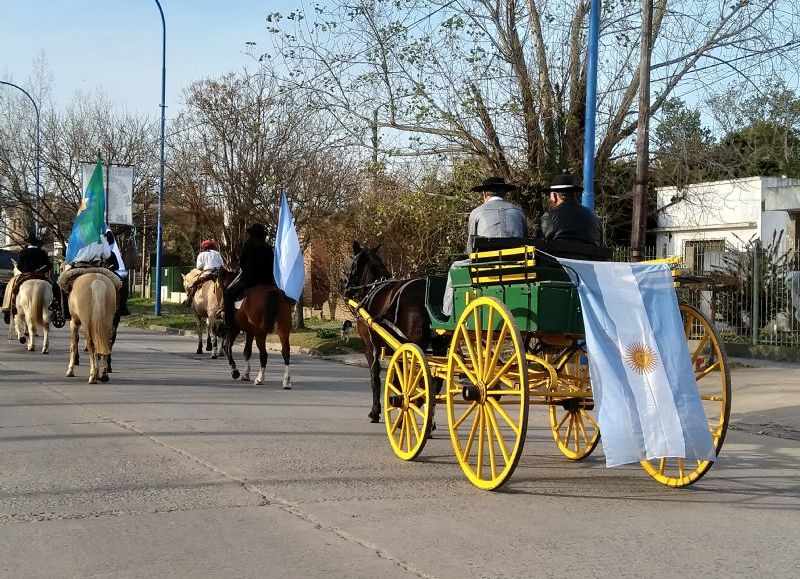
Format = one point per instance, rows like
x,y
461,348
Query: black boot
x,y
7,317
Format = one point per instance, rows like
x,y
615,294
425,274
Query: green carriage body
x,y
540,298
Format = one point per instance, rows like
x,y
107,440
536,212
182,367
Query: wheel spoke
x,y
417,409
488,347
700,347
500,373
404,380
478,341
662,464
680,468
706,371
406,423
568,435
461,420
489,443
505,416
563,420
396,423
411,381
479,463
463,366
500,442
470,439
413,422
498,347
393,388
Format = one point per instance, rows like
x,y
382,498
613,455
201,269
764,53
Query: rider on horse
x,y
255,263
33,263
209,264
95,254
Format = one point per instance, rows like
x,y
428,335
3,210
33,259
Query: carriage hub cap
x,y
474,392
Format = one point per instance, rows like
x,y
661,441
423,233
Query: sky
x,y
115,45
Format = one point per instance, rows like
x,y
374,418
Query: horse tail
x,y
36,304
99,328
271,309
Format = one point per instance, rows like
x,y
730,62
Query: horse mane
x,y
375,265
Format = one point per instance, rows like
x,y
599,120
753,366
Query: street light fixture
x,y
161,178
38,151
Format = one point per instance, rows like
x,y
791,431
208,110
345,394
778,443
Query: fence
x,y
751,290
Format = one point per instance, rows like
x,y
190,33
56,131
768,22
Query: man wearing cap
x,y
33,260
568,219
495,217
209,262
255,264
117,265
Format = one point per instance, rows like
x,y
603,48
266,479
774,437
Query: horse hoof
x,y
245,378
214,357
258,383
70,374
208,348
374,419
199,351
104,378
23,339
287,387
235,374
110,371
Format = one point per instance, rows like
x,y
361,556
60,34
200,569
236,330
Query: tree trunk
x,y
639,218
298,322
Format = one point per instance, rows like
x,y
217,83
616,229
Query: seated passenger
x,y
209,261
495,217
33,260
567,218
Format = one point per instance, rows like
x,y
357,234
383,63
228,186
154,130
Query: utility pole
x,y
639,216
592,56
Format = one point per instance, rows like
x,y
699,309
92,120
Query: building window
x,y
702,256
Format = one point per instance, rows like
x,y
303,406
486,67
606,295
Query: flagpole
x,y
161,177
592,51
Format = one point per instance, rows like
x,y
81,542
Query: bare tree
x,y
504,81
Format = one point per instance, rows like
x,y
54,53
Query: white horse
x,y
33,312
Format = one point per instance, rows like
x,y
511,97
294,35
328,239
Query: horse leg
x,y
199,336
30,324
19,326
46,338
248,351
285,352
373,358
261,342
104,361
211,322
228,345
74,340
90,346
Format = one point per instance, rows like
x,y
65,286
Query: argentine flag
x,y
644,387
89,222
288,268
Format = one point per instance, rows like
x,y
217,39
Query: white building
x,y
701,220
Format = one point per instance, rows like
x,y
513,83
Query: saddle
x,y
19,280
68,277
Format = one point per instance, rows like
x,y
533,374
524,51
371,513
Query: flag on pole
x,y
644,386
288,268
89,222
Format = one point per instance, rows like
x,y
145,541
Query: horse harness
x,y
392,307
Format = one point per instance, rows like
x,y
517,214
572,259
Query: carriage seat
x,y
571,249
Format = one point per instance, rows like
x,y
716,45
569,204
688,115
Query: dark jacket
x,y
571,221
34,259
256,262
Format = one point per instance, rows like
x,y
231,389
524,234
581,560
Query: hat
x,y
208,244
34,240
564,184
257,230
494,185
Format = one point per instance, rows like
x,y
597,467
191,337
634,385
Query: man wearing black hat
x,y
495,217
568,219
255,268
33,260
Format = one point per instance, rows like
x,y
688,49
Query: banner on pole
x,y
118,180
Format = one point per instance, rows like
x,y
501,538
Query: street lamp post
x,y
38,151
591,104
161,177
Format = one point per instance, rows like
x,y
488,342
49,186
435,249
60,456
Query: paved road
x,y
174,470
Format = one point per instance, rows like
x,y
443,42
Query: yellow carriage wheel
x,y
407,400
487,393
572,420
714,383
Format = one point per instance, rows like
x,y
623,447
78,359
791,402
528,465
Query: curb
x,y
270,345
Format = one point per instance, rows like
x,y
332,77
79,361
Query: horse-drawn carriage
x,y
516,339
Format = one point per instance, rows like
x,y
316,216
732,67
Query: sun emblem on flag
x,y
641,358
84,203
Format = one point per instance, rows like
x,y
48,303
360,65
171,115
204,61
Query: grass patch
x,y
319,335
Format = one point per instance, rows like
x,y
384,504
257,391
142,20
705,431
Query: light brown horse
x,y
207,308
265,309
33,312
92,303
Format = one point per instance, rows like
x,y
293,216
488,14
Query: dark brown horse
x,y
398,304
265,309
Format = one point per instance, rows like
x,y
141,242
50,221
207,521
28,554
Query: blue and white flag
x,y
289,272
644,386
